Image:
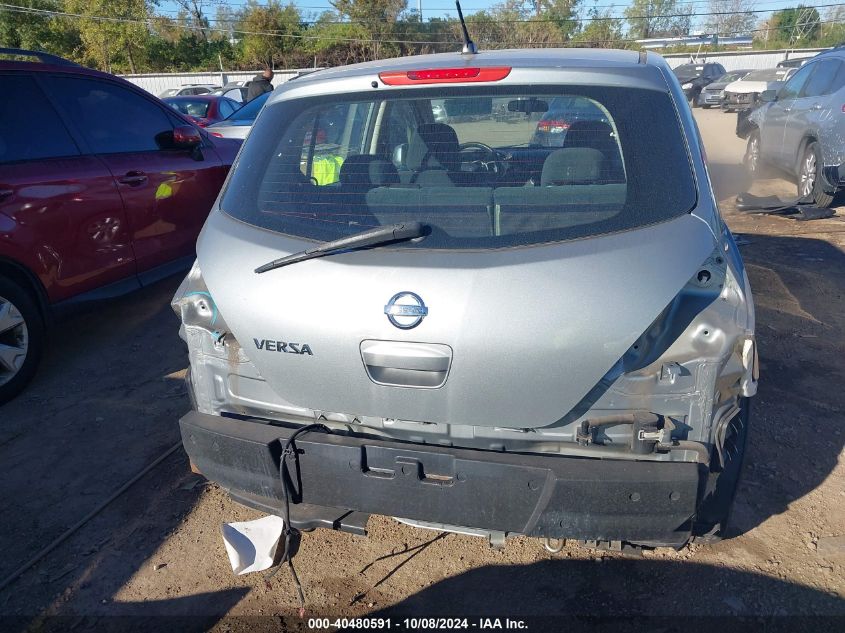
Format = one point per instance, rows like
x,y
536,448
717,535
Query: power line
x,y
588,18
579,20
429,42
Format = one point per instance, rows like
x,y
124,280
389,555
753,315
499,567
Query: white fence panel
x,y
751,60
156,83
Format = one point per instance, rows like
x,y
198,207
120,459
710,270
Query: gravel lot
x,y
106,403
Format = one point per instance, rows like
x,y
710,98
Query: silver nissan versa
x,y
403,306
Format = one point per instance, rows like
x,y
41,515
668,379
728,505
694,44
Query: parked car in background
x,y
204,109
795,62
238,124
713,94
236,91
477,334
563,113
188,89
744,94
800,128
694,77
103,189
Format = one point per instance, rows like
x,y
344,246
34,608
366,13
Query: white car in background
x,y
744,94
188,89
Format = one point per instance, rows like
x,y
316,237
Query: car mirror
x,y
528,106
186,137
464,107
767,96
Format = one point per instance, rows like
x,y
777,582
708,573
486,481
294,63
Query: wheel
x,y
811,183
21,339
706,106
714,515
751,160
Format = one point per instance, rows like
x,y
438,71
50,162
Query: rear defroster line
x,y
291,534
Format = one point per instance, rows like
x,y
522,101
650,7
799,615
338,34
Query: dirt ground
x,y
106,403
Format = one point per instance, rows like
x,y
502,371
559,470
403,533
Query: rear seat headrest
x,y
572,165
590,133
433,146
367,171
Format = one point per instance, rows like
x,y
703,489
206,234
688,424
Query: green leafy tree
x,y
378,18
33,31
797,23
269,32
334,43
194,15
113,32
658,18
601,31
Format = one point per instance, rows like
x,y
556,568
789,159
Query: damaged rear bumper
x,y
551,496
835,175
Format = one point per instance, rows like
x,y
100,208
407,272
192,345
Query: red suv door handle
x,y
133,178
5,193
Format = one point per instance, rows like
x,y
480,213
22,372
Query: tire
x,y
706,106
811,183
752,158
713,518
21,339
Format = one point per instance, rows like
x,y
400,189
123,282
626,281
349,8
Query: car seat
x,y
599,136
434,155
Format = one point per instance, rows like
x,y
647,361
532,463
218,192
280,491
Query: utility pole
x,y
803,25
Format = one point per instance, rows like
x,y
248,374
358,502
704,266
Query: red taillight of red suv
x,y
553,126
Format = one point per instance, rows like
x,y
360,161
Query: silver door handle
x,y
816,106
406,364
413,356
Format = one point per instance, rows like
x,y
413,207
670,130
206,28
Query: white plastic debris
x,y
251,545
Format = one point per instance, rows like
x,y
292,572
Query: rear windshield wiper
x,y
373,237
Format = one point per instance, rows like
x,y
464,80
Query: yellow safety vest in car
x,y
326,169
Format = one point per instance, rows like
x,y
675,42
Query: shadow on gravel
x,y
617,588
104,405
796,435
175,614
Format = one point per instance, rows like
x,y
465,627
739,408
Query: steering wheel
x,y
490,162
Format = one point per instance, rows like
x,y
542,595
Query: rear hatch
x,y
541,268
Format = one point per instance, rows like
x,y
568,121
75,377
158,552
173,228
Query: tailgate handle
x,y
403,364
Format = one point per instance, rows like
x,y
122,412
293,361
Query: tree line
x,y
134,36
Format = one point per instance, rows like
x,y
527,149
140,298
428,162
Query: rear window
x,y
197,108
249,111
769,74
688,71
485,169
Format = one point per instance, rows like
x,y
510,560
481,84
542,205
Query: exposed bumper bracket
x,y
537,495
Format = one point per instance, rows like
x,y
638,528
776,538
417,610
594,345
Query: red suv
x,y
103,189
